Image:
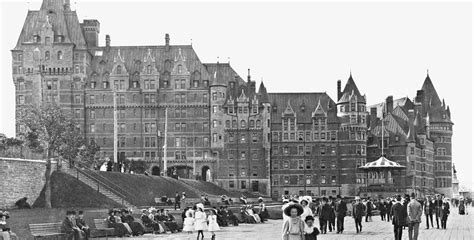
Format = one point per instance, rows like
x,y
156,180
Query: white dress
x,y
188,224
200,222
213,226
306,212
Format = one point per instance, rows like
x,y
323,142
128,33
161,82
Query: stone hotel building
x,y
219,126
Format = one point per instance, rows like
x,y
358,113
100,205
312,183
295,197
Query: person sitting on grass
x,y
81,223
252,213
246,217
23,203
116,223
5,230
70,228
138,229
149,222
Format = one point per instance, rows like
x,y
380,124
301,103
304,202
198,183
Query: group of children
x,y
197,220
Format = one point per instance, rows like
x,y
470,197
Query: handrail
x,y
99,183
107,181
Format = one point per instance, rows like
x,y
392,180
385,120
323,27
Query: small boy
x,y
310,232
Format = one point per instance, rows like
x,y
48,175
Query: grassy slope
x,y
66,191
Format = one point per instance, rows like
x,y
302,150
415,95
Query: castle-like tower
x,y
216,125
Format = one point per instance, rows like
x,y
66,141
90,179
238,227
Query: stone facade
x,y
21,178
218,126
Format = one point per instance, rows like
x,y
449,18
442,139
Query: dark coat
x,y
358,210
325,211
398,218
341,209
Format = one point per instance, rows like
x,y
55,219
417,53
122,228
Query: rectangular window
x,y
92,128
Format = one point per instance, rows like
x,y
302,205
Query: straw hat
x,y
200,205
298,207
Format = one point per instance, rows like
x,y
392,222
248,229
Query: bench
x,y
102,227
41,230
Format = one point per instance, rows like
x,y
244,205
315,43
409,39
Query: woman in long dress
x,y
213,226
306,210
200,221
262,212
293,228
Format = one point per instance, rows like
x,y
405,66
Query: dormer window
x,y
302,107
119,70
105,84
148,69
444,116
206,83
180,68
46,55
274,108
36,38
60,38
232,84
60,55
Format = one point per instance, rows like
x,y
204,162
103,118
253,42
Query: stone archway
x,y
156,171
206,174
180,171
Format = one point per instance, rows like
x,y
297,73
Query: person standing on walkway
x,y
293,227
444,213
462,206
428,209
415,211
369,206
398,218
341,209
438,203
388,208
357,213
382,209
177,201
332,214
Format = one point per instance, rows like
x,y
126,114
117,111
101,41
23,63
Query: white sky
x,y
297,47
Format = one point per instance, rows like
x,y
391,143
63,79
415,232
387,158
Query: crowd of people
x,y
299,214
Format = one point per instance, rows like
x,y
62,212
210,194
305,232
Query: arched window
x,y
242,124
148,69
168,65
227,124
46,55
259,124
60,55
252,123
119,70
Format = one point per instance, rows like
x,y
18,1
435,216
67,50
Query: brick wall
x,y
21,178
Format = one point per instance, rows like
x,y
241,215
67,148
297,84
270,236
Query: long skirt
x,y
137,228
120,229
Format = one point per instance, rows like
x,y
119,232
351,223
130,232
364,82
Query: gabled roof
x,y
308,100
64,22
351,90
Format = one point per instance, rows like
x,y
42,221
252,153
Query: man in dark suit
x,y
70,228
398,218
324,211
177,201
438,203
428,208
81,224
341,209
357,213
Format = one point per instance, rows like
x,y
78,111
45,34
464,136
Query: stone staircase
x,y
100,186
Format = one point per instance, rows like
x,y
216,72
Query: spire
x,y
351,89
262,92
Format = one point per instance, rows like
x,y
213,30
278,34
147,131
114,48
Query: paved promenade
x,y
459,228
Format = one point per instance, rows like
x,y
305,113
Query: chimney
x,y
373,113
389,104
167,42
339,89
248,75
420,94
107,40
67,5
91,28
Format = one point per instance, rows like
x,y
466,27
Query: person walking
x,y
357,213
388,207
415,211
428,207
332,214
444,213
462,207
200,220
398,219
341,210
382,209
368,207
293,227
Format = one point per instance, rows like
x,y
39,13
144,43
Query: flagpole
x,y
383,113
194,153
115,128
165,161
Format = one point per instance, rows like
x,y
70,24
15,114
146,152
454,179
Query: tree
x,y
45,131
88,154
73,140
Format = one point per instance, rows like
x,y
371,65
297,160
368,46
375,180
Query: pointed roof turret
x,y
351,90
431,96
262,93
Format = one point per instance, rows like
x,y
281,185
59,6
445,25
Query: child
x,y
310,232
213,226
200,220
188,223
293,228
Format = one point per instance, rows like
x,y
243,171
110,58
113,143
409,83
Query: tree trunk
x,y
47,183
